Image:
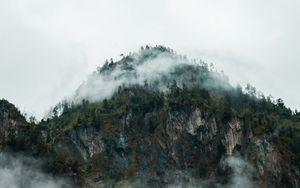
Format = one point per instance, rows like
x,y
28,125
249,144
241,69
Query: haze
x,y
47,48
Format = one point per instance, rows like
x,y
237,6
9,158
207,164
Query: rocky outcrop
x,y
194,122
160,145
8,128
180,124
84,142
187,143
271,165
11,123
233,136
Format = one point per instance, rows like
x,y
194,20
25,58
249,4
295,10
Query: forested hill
x,y
157,119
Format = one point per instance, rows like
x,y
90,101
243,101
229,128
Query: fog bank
x,y
17,171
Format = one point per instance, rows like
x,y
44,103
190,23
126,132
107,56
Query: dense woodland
x,y
269,116
189,86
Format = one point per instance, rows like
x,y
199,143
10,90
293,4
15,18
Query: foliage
x,y
189,85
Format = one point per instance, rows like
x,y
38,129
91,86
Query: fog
x,y
103,85
47,48
18,171
242,173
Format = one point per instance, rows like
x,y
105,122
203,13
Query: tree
x,y
32,120
280,103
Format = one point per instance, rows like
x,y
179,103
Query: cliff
x,y
157,119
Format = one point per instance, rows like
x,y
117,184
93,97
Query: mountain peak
x,y
140,57
157,119
157,66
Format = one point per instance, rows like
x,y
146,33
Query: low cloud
x,y
242,172
17,171
237,172
48,48
104,85
241,175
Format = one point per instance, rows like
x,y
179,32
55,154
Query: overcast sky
x,y
47,48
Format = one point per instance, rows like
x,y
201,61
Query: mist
x,y
18,171
238,173
48,48
241,174
103,85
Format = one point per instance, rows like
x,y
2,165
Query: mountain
x,y
157,119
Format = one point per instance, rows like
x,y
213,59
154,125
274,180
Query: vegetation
x,y
187,86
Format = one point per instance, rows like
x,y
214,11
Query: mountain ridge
x,y
166,121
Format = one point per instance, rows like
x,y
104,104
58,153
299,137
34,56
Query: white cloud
x,y
48,47
101,86
17,171
241,174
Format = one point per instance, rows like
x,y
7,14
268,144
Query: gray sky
x,y
47,48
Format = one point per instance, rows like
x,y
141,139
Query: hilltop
x,y
157,119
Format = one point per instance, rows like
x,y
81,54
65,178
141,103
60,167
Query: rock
x,y
194,122
233,136
86,141
121,142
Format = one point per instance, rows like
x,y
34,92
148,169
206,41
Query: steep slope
x,y
15,132
157,119
10,119
145,136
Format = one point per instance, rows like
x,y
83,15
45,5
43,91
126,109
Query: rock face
x,y
8,127
86,142
165,148
186,126
159,146
11,122
233,136
270,164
